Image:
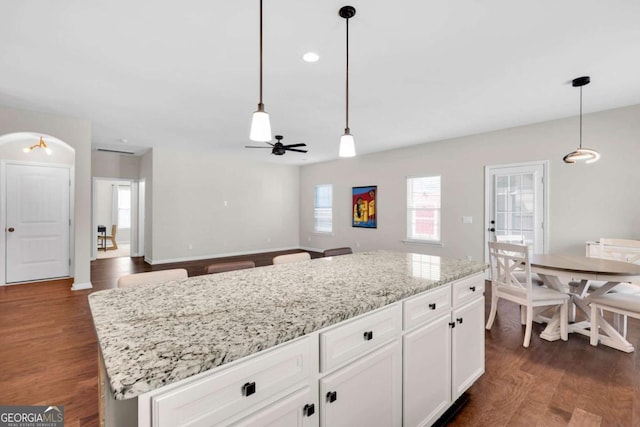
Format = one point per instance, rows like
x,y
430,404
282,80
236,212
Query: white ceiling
x,y
185,74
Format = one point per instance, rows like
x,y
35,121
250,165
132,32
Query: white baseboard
x,y
81,286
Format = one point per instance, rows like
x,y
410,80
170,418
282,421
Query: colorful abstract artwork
x,y
365,206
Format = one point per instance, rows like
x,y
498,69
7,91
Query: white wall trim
x,y
81,286
307,248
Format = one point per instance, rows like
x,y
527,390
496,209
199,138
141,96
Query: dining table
x,y
558,270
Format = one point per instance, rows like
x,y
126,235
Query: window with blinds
x,y
423,208
323,209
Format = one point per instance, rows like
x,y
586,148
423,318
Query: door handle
x,y
492,229
11,229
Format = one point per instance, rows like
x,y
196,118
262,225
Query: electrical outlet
x,y
190,246
268,239
469,258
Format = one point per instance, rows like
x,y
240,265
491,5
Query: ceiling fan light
x,y
260,127
347,146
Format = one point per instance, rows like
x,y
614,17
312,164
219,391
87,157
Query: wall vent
x,y
115,151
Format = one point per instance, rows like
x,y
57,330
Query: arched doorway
x,y
37,207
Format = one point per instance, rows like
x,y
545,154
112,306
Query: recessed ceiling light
x,y
311,57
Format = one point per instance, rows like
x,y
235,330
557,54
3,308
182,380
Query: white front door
x,y
515,204
37,223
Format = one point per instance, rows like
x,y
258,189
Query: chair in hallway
x,y
102,240
508,259
132,280
285,259
221,267
337,251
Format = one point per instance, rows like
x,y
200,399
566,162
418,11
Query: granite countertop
x,y
157,334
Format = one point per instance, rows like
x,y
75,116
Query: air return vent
x,y
115,151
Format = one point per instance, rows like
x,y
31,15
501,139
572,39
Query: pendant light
x,y
260,124
586,154
347,144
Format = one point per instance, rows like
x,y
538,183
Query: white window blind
x,y
124,206
323,209
423,208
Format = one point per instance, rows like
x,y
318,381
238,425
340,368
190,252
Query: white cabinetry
x,y
427,372
366,392
467,346
403,364
444,353
214,399
291,411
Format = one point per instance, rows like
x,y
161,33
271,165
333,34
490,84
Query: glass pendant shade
x,y
260,127
587,154
347,146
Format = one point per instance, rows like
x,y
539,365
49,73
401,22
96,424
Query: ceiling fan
x,y
279,148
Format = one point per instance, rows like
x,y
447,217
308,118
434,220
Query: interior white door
x,y
37,223
515,202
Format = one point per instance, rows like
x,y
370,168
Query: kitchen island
x,y
168,345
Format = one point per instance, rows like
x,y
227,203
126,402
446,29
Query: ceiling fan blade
x,y
296,145
254,146
295,149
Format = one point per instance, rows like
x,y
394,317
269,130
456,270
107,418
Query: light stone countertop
x,y
157,334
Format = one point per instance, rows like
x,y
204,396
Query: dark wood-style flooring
x,y
48,355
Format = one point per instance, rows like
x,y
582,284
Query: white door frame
x,y
488,190
3,217
137,216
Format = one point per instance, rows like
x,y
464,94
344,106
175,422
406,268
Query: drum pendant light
x,y
260,124
586,154
347,144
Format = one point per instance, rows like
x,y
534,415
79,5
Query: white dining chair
x,y
508,259
285,259
620,304
131,280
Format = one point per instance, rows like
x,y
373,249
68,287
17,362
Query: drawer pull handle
x,y
248,389
473,288
459,320
368,336
452,325
432,306
332,396
309,409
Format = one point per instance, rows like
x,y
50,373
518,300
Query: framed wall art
x,y
364,206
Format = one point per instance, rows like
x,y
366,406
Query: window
x,y
124,206
323,209
423,208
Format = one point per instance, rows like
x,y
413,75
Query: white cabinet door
x,y
367,392
427,372
467,346
296,410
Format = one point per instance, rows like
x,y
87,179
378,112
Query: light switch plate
x,y
467,219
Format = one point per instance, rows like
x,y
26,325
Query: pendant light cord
x,y
347,81
260,105
580,117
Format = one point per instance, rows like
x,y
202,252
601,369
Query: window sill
x,y
424,242
322,233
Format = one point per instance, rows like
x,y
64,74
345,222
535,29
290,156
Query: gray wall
x,y
113,165
586,201
77,134
204,205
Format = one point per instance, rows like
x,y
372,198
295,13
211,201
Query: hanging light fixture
x,y
347,144
260,124
586,154
40,145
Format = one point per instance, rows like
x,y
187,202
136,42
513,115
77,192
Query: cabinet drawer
x,y
290,411
345,342
467,289
426,306
213,398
